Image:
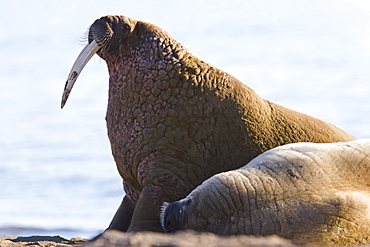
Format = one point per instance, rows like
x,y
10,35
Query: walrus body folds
x,y
305,191
174,121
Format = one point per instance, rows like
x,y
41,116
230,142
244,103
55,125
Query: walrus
x,y
174,121
317,193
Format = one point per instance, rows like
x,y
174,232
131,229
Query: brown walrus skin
x,y
174,121
310,192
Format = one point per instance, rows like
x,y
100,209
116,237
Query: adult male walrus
x,y
304,191
173,120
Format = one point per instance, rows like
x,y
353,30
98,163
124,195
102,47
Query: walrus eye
x,y
126,28
188,202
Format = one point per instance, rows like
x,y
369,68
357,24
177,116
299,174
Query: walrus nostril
x,y
167,225
170,219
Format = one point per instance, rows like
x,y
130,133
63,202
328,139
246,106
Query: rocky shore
x,y
149,239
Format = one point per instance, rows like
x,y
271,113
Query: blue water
x,y
57,176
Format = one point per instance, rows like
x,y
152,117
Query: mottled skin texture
x,y
310,192
173,120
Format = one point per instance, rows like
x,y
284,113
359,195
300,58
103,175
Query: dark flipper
x,y
122,219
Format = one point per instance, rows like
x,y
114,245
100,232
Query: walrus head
x,y
174,215
185,214
106,37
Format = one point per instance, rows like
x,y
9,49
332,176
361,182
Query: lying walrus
x,y
174,121
304,191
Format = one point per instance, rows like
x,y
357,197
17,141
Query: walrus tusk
x,y
88,51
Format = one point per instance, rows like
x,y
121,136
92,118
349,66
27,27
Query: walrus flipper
x,y
146,215
122,219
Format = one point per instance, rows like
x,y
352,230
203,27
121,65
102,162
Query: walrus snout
x,y
109,31
100,31
174,216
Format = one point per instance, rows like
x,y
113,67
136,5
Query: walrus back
x,y
304,128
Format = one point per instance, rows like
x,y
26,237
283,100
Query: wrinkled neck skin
x,y
164,108
175,116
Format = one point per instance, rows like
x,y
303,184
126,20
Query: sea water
x,y
57,175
